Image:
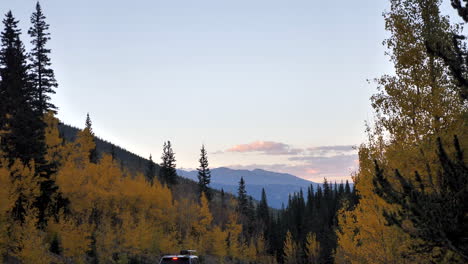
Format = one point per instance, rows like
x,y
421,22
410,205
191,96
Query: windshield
x,y
175,261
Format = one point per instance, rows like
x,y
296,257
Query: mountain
x,y
277,186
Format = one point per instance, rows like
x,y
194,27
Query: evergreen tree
x,y
20,126
113,152
347,188
150,170
22,123
242,200
223,199
437,211
450,47
43,79
249,226
168,173
93,154
263,211
204,174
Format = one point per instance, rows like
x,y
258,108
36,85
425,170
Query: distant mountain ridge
x,y
277,185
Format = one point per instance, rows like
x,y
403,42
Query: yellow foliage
x,y
30,242
74,237
290,250
55,148
25,183
312,248
233,230
6,199
138,233
201,225
111,212
250,251
218,242
413,108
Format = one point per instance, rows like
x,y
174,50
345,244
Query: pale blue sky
x,y
222,73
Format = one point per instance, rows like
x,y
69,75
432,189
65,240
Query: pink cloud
x,y
267,147
333,168
312,171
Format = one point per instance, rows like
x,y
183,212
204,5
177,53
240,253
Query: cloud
x,y
331,150
265,147
335,168
278,148
314,163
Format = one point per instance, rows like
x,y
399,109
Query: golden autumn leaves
x,y
413,108
113,214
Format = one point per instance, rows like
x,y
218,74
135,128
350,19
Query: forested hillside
x,y
127,159
69,197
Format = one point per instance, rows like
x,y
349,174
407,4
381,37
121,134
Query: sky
x,y
276,85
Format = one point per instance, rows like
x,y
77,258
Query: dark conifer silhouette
x,y
437,210
223,199
450,47
19,122
204,174
93,154
112,152
242,199
150,170
263,212
43,79
168,173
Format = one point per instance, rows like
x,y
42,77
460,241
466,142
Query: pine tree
x,y
450,47
263,212
168,173
150,170
347,188
242,200
93,154
414,107
223,199
20,126
204,174
42,75
438,217
113,155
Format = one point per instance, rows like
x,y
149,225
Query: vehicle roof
x,y
179,256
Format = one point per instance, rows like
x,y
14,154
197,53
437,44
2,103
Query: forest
x,y
67,196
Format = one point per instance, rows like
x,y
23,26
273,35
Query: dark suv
x,y
185,257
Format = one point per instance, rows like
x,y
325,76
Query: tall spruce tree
x,y
168,173
263,214
204,174
242,199
43,78
16,112
19,123
43,83
263,211
223,199
150,170
93,154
